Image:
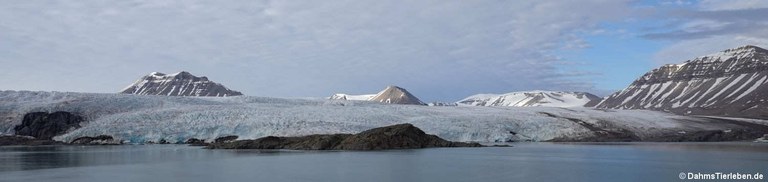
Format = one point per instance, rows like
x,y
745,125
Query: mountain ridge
x,y
731,82
178,84
532,98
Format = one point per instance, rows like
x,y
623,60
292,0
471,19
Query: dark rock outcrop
x,y
225,139
310,142
45,126
195,142
25,140
401,136
98,140
161,141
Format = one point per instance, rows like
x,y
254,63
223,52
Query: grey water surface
x,y
523,162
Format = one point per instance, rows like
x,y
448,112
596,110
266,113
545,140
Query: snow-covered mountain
x,y
728,83
365,97
140,118
390,95
396,95
533,99
178,84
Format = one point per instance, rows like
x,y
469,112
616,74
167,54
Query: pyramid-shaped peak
x,y
396,95
394,87
182,73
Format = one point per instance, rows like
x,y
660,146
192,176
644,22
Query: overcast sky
x,y
438,50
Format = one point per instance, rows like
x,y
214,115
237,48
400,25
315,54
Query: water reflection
x,y
697,146
524,161
15,158
42,157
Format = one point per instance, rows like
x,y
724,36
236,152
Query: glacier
x,y
144,118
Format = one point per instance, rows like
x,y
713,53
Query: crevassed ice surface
x,y
141,118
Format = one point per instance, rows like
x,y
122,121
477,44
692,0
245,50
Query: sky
x,y
438,50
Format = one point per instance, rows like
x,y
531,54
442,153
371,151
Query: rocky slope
x,y
178,84
396,95
44,126
533,99
401,136
390,95
728,83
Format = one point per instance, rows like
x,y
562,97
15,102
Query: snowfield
x,y
141,118
534,98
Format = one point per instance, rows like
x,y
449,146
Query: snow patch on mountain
x,y
536,98
365,97
728,83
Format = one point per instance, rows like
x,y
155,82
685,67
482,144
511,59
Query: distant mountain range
x,y
728,83
178,84
533,99
364,97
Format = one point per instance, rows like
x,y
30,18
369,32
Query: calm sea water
x,y
523,162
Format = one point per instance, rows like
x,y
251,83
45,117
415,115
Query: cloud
x,y
715,5
703,24
686,50
439,50
710,27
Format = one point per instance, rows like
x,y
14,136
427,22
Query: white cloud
x,y
689,49
717,5
712,26
436,49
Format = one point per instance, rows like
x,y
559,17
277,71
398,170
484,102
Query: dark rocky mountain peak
x,y
178,84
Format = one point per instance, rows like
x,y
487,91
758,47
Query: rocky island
x,y
401,136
